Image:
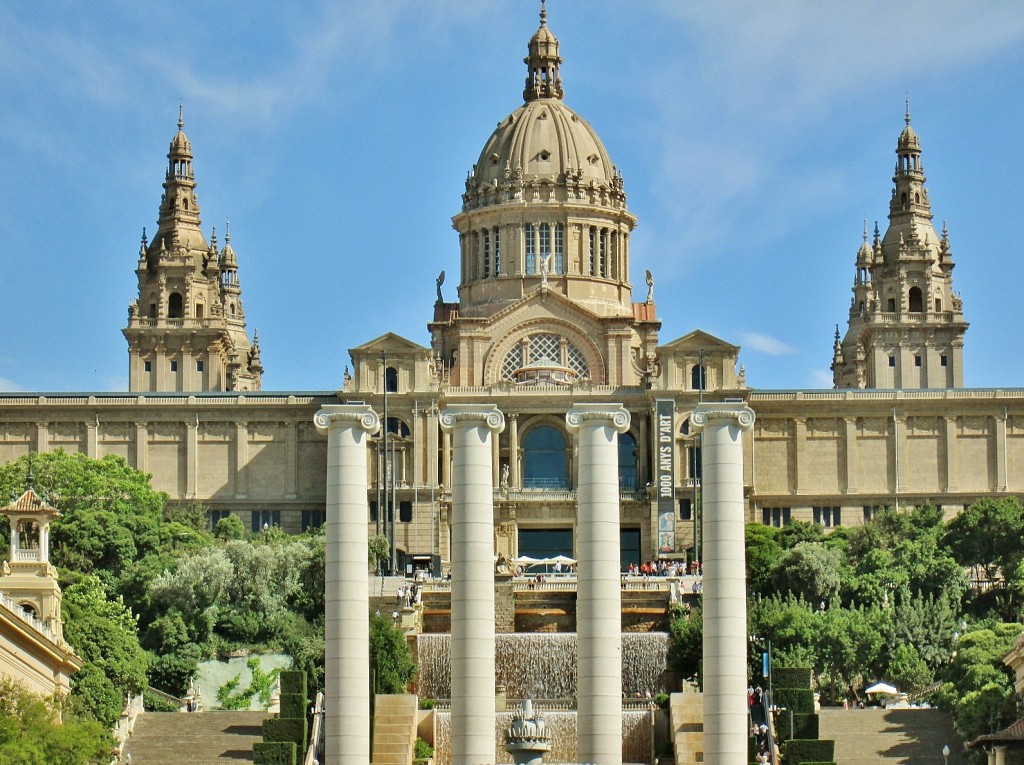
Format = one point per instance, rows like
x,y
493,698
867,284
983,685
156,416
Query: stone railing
x,y
316,734
29,619
125,724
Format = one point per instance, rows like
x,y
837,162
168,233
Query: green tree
x,y
379,551
809,570
391,664
229,527
104,633
907,670
31,732
762,554
686,642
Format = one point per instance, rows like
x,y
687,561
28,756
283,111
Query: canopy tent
x,y
882,688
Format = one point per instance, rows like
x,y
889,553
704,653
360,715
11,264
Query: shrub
x,y
280,729
800,751
791,677
800,700
273,753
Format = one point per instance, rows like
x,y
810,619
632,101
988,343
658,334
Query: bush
x,y
153,703
800,700
791,677
804,725
427,703
280,729
293,706
800,751
273,753
423,750
661,700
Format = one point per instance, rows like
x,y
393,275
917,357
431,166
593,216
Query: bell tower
x,y
28,577
906,324
186,329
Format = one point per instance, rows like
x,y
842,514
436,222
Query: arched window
x,y
627,461
544,459
174,306
698,377
391,380
398,427
915,300
29,609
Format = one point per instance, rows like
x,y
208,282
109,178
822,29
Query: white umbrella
x,y
883,688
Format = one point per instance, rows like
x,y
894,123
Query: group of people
x,y
407,595
664,568
759,723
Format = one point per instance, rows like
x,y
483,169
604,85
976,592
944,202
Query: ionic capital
x,y
738,414
359,415
472,415
613,415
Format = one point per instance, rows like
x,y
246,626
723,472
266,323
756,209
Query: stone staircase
x,y
876,736
201,738
686,716
394,729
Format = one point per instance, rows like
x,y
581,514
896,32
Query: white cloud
x,y
756,341
820,378
9,385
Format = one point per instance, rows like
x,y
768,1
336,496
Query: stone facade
x,y
545,318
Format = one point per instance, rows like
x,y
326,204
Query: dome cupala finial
x,y
542,77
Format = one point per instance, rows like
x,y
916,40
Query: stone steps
x,y
394,729
686,716
200,738
878,736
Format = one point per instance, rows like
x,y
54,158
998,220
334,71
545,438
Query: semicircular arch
x,y
583,343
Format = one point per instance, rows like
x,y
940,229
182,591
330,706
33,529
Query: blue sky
x,y
754,139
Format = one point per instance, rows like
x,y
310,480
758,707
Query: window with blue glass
x,y
264,519
544,459
312,519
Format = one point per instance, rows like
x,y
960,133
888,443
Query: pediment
x,y
699,340
389,342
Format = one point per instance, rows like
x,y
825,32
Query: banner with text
x,y
665,473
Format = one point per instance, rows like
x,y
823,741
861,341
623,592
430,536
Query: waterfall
x,y
543,665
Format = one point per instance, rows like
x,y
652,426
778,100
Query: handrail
x,y
316,734
169,698
125,724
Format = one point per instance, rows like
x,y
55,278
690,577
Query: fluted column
x,y
347,622
471,430
725,595
598,601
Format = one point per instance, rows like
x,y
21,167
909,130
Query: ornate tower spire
x,y
542,78
179,207
906,325
186,330
909,197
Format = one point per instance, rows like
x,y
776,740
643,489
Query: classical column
x,y
471,428
725,601
347,617
191,458
598,600
1000,752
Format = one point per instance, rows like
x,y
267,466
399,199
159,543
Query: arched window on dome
x,y
627,461
915,300
544,459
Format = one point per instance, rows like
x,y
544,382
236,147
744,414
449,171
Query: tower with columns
x,y
906,324
186,329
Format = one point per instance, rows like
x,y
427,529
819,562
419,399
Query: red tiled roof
x,y
29,502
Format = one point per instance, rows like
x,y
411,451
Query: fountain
x,y
526,739
543,665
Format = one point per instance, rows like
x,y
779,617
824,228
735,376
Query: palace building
x,y
549,312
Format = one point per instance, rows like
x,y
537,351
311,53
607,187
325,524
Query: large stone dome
x,y
544,139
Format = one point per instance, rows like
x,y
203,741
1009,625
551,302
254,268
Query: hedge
x,y
800,700
293,706
801,751
293,682
281,729
804,725
273,753
791,677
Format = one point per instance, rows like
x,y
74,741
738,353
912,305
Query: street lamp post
x,y
945,754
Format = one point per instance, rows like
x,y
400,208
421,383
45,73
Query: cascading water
x,y
637,736
543,665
